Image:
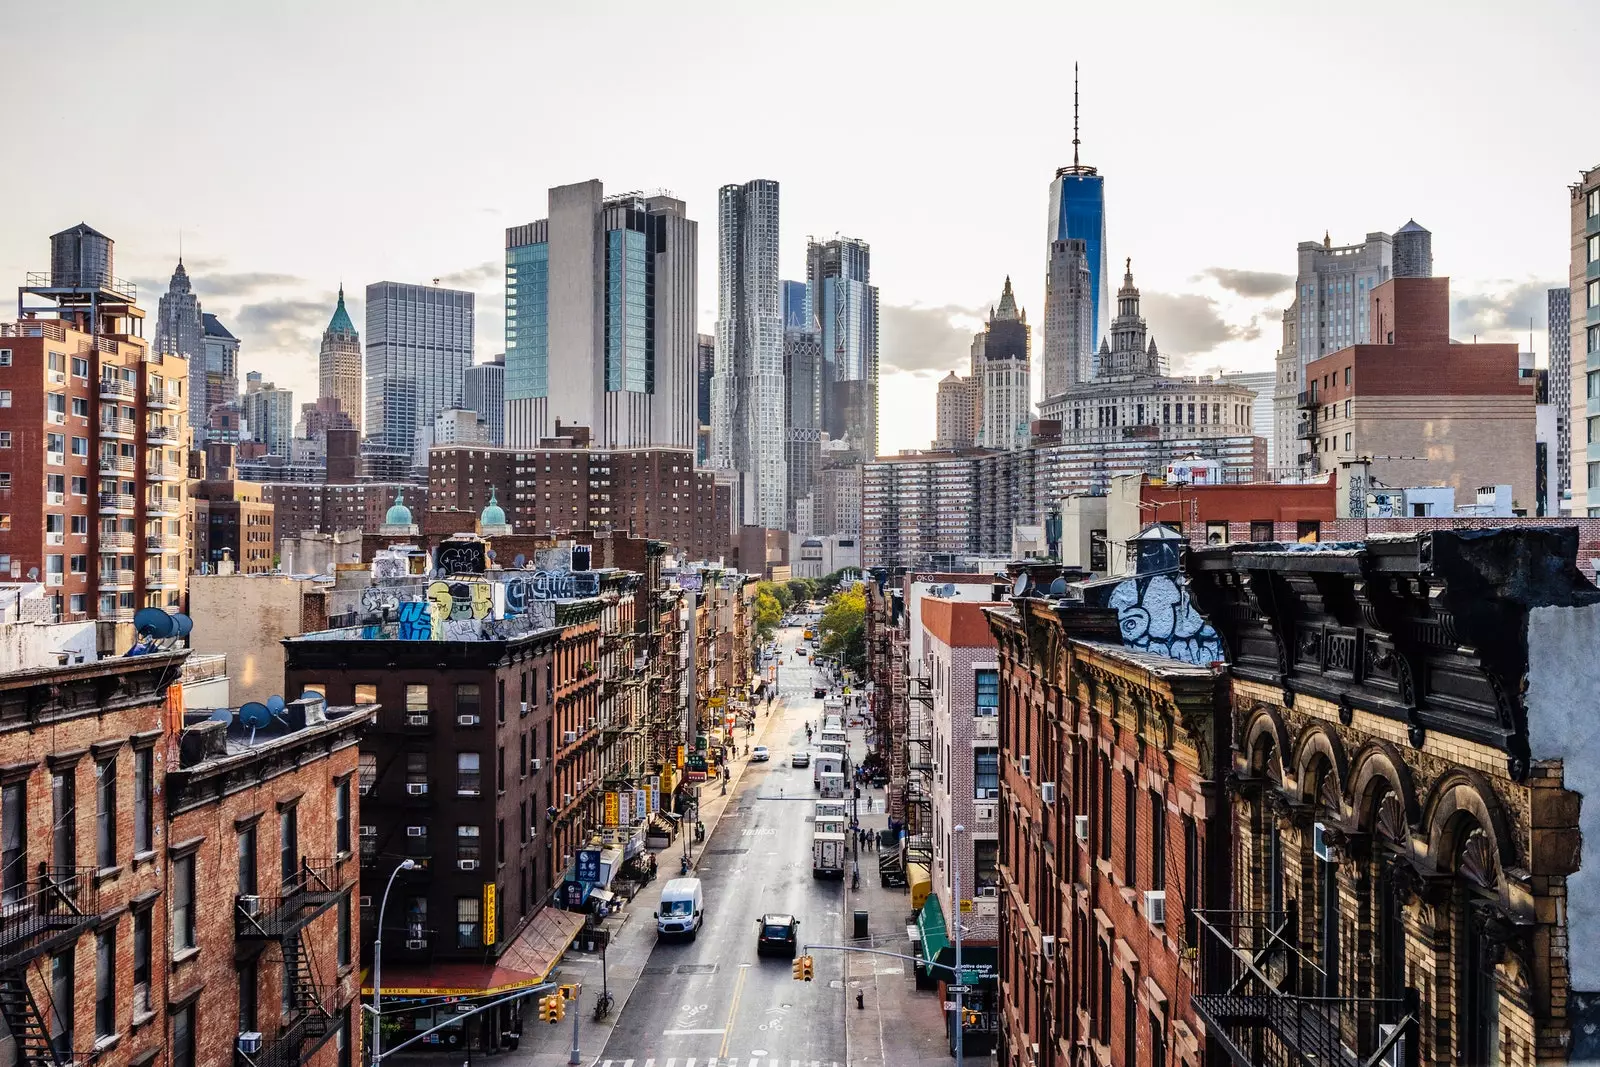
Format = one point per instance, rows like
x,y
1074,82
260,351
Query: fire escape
x,y
1266,1001
37,919
1306,430
309,892
919,764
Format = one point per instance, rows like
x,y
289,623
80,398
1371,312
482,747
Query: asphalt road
x,y
712,1001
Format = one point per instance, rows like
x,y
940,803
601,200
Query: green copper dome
x,y
340,323
399,514
493,514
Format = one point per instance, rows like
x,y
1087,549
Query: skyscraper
x,y
747,389
220,380
953,413
605,287
1560,333
795,315
483,389
844,303
339,362
419,343
1584,327
802,442
1078,212
269,413
705,367
1068,357
1004,367
180,331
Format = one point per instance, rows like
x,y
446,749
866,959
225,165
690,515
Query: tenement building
x,y
1408,767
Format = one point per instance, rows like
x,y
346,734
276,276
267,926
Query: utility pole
x,y
577,999
955,877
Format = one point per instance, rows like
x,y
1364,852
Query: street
x,y
712,1000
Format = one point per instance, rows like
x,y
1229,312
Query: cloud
x,y
1251,283
283,324
928,338
1188,324
490,272
242,284
1503,311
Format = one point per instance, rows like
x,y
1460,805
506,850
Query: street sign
x,y
949,1005
588,865
488,913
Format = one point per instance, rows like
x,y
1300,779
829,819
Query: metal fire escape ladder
x,y
26,1022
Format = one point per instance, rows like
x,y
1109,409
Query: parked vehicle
x,y
682,910
800,759
825,763
759,754
831,785
828,855
832,809
778,934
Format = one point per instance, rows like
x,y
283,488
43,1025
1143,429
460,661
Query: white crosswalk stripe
x,y
716,1061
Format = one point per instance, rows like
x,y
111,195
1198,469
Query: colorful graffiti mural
x,y
1157,616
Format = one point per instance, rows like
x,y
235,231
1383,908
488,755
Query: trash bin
x,y
861,924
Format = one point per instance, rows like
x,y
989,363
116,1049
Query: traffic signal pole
x,y
576,1055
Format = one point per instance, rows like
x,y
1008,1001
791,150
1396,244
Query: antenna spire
x,y
1074,114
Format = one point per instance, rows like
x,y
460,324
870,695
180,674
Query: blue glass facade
x,y
528,321
794,306
627,313
1078,210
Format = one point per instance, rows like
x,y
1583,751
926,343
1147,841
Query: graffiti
x,y
460,557
416,622
461,600
380,602
386,565
568,585
1157,616
689,583
516,595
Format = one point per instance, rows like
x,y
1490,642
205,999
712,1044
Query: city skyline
x,y
1212,275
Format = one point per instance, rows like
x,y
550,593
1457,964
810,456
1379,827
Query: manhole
x,y
697,968
727,852
657,969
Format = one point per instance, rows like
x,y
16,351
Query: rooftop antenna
x,y
254,715
1074,117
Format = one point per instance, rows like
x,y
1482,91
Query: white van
x,y
832,809
683,909
832,785
825,763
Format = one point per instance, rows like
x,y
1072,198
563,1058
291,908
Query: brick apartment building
x,y
305,507
119,870
93,441
231,523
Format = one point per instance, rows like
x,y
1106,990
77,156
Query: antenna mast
x,y
1074,115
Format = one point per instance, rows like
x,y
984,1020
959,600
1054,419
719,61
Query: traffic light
x,y
804,969
559,1006
547,1009
970,1017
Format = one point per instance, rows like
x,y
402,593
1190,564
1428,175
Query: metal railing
x,y
93,279
1265,1000
40,915
121,427
115,389
311,890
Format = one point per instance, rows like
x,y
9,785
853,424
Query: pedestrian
x,y
861,1000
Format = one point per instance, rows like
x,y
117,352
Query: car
x,y
779,934
819,691
759,754
800,759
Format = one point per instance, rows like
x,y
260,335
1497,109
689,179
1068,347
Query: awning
x,y
526,962
931,925
980,964
543,941
603,895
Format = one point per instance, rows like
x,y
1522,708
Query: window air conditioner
x,y
1080,827
249,1043
1047,792
417,943
1155,906
369,831
524,707
1027,765
467,865
535,763
1049,947
417,720
250,905
416,831
569,737
566,798
467,720
417,789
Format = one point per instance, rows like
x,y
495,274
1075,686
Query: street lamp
x,y
955,876
377,963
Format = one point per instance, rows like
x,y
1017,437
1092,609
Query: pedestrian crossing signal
x,y
970,1017
804,969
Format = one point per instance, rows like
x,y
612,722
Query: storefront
x,y
980,969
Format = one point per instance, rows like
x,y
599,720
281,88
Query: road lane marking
x,y
738,990
688,1033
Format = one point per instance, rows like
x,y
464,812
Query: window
x,y
366,694
1158,1043
1261,530
80,407
141,962
62,994
5,357
1130,1022
247,861
1105,992
467,849
79,564
1158,841
5,398
466,922
988,691
416,700
80,523
14,842
986,772
183,1037
80,367
105,983
182,904
1308,531
1105,808
341,815
5,438
469,780
143,824
467,700
289,846
105,816
1593,293
344,931
80,446
1191,881
64,814
1130,830
249,996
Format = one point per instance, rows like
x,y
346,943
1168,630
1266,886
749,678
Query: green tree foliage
x,y
844,627
779,592
769,612
800,591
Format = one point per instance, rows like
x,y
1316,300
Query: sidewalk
x,y
544,1045
899,1025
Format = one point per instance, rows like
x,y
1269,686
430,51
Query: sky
x,y
297,145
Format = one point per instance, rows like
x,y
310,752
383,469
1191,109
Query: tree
x,y
801,590
768,614
779,592
844,627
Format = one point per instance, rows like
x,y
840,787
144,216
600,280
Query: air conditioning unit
x,y
533,833
55,498
369,831
524,707
1027,765
1155,906
1080,827
417,789
249,1043
534,764
593,723
569,737
417,720
366,901
55,538
58,377
416,831
250,905
467,865
417,943
1049,943
1047,792
59,418
988,891
566,798
467,720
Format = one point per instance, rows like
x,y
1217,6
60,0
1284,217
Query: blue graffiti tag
x,y
1157,616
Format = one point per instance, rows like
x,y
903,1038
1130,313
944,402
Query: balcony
x,y
118,579
161,435
1251,981
1305,430
162,472
313,890
161,507
156,543
116,503
161,580
40,916
116,389
116,542
161,401
120,429
116,465
1306,399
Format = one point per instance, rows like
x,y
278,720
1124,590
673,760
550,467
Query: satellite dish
x,y
520,562
275,703
33,574
154,623
254,715
1020,586
221,715
182,625
1058,587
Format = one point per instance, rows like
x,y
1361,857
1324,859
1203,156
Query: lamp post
x,y
955,876
377,964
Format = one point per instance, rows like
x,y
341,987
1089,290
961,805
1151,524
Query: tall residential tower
x,y
844,303
419,342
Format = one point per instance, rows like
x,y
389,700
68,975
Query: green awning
x,y
931,925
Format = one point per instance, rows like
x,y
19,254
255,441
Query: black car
x,y
819,692
780,934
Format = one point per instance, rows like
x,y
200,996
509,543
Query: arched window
x,y
1388,819
1325,877
1266,764
1477,990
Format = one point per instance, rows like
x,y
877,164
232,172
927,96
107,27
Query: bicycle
x,y
602,1006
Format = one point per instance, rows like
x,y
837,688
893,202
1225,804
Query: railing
x,y
118,579
161,434
94,279
161,471
115,389
154,543
38,917
1252,974
156,399
160,505
116,427
311,891
116,464
114,541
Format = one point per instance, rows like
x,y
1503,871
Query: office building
x,y
795,313
419,343
1078,213
180,331
483,389
1559,322
1262,384
1328,313
460,426
844,303
231,526
606,287
747,389
1585,332
802,383
705,368
1004,369
94,428
268,413
953,413
339,362
1069,342
219,377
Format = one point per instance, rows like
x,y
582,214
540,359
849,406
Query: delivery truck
x,y
828,855
825,763
832,785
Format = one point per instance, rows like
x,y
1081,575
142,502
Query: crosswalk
x,y
714,1061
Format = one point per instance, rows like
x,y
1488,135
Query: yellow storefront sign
x,y
612,813
488,913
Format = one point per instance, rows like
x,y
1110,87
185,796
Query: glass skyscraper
x,y
1078,212
419,342
794,306
845,305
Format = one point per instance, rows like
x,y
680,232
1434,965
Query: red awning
x,y
526,962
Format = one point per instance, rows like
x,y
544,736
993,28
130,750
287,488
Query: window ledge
x,y
342,855
140,858
106,874
185,955
106,1044
140,1018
